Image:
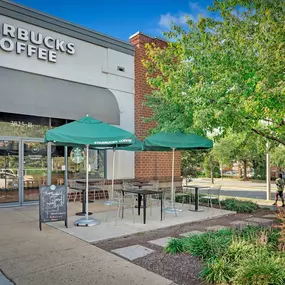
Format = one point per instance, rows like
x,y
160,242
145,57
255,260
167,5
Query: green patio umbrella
x,y
89,133
137,146
171,141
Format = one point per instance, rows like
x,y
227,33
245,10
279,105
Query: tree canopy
x,y
223,74
247,148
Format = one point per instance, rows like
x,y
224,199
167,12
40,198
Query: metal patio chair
x,y
72,192
100,191
122,202
210,197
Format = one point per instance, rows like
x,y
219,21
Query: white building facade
x,y
53,72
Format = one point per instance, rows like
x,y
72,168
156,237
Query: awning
x,y
37,95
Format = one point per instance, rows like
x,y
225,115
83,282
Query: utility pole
x,y
268,174
212,170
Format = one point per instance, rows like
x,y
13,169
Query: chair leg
x,y
220,205
133,212
118,213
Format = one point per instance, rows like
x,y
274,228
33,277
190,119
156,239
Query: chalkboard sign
x,y
53,204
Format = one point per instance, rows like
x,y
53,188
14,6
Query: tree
x,y
223,74
190,161
243,147
214,169
278,157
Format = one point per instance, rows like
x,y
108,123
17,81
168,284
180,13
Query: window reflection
x,y
23,125
76,170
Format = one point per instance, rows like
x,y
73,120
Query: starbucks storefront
x,y
51,73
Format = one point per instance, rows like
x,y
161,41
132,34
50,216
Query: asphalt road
x,y
239,189
245,193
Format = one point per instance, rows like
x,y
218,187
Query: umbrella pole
x,y
172,207
86,222
87,181
112,188
172,181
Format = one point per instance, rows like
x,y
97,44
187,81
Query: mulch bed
x,y
180,268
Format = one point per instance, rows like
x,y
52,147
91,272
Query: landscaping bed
x,y
183,268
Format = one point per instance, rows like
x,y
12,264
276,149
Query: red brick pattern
x,y
149,165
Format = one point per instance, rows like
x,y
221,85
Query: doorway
x,y
23,169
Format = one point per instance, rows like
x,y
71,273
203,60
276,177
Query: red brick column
x,y
149,165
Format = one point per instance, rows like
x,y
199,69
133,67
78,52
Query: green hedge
x,y
230,204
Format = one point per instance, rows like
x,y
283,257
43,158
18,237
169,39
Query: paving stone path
x,y
137,251
133,252
161,241
189,234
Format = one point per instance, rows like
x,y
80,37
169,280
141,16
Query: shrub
x,y
238,250
175,245
261,268
208,245
239,206
217,271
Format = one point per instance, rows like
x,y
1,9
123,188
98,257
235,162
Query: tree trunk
x,y
244,169
239,171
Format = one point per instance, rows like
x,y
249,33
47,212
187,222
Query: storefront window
x,y
22,125
77,169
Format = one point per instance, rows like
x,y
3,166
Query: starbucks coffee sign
x,y
22,41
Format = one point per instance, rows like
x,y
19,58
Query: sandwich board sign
x,y
53,204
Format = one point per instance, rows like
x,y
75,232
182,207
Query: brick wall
x,y
149,165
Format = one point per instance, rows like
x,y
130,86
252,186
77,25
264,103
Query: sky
x,y
121,19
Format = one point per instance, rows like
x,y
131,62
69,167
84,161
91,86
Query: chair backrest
x,y
127,185
100,183
154,185
167,192
216,188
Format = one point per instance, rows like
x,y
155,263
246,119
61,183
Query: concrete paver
x,y
192,233
215,228
133,252
161,241
270,216
241,224
261,221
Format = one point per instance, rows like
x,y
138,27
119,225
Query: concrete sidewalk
x,y
31,257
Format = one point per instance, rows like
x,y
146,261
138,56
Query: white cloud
x,y
180,18
167,19
197,10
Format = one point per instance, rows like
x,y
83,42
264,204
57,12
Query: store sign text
x,y
33,44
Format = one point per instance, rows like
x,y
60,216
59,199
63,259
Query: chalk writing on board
x,y
53,204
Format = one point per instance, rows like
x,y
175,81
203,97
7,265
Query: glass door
x,y
9,171
34,153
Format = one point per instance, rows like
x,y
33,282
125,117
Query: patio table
x,y
143,194
141,184
82,187
196,187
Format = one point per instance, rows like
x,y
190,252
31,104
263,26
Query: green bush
x,y
175,245
261,268
217,271
238,249
208,245
248,256
239,206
